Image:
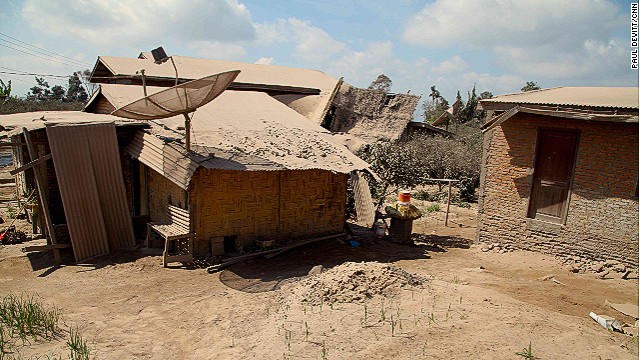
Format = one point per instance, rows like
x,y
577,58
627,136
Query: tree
x,y
76,90
5,90
84,76
434,107
486,95
530,86
381,83
40,91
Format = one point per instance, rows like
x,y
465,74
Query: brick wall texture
x,y
602,218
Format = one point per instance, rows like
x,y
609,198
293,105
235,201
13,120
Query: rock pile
x,y
353,282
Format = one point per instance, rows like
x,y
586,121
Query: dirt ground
x,y
470,304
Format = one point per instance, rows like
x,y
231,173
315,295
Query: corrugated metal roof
x,y
609,97
87,163
13,123
310,106
250,131
194,68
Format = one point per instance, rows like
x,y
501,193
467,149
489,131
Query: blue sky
x,y
496,44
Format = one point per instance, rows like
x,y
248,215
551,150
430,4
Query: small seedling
x,y
325,351
526,353
77,345
306,331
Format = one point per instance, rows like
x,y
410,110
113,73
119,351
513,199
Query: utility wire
x,y
59,61
20,72
29,74
47,52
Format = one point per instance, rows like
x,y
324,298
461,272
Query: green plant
x,y
25,317
526,353
78,347
433,208
325,352
306,331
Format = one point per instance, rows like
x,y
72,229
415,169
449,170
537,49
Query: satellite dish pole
x,y
182,99
160,56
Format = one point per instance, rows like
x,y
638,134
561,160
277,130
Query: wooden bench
x,y
176,230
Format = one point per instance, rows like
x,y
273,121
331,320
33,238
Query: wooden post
x,y
44,203
446,216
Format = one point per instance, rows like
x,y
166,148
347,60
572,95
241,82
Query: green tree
x,y
486,95
381,83
76,90
58,93
434,107
40,91
5,90
530,86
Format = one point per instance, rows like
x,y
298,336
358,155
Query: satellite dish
x,y
180,99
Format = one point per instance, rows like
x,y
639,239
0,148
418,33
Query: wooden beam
x,y
11,144
30,165
45,247
44,202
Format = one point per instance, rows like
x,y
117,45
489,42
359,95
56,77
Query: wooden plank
x,y
44,202
45,247
30,165
11,144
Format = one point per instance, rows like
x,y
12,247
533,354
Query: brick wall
x,y
602,219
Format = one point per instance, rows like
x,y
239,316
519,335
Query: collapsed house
x,y
261,167
560,172
355,116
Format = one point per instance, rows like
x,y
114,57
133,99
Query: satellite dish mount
x,y
179,100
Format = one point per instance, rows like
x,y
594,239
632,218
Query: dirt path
x,y
475,304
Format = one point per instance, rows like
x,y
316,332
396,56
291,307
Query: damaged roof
x,y
304,90
241,130
604,97
13,123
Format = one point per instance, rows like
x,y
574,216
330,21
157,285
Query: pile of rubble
x,y
609,268
353,282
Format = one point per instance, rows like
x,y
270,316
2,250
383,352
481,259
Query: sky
x,y
498,45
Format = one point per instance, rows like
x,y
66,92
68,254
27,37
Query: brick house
x,y
560,172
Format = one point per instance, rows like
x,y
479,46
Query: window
x,y
553,172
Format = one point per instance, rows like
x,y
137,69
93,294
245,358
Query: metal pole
x,y
174,68
446,216
187,129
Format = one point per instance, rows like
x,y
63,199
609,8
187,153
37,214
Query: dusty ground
x,y
473,304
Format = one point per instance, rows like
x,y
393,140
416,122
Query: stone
x,y
611,263
316,270
619,268
485,249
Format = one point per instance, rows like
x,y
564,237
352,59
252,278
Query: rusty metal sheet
x,y
87,164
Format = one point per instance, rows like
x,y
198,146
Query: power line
x,y
79,62
20,72
39,56
29,74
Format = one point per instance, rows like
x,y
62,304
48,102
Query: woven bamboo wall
x,y
252,205
163,192
312,202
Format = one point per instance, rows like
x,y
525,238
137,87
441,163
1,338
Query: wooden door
x,y
555,157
